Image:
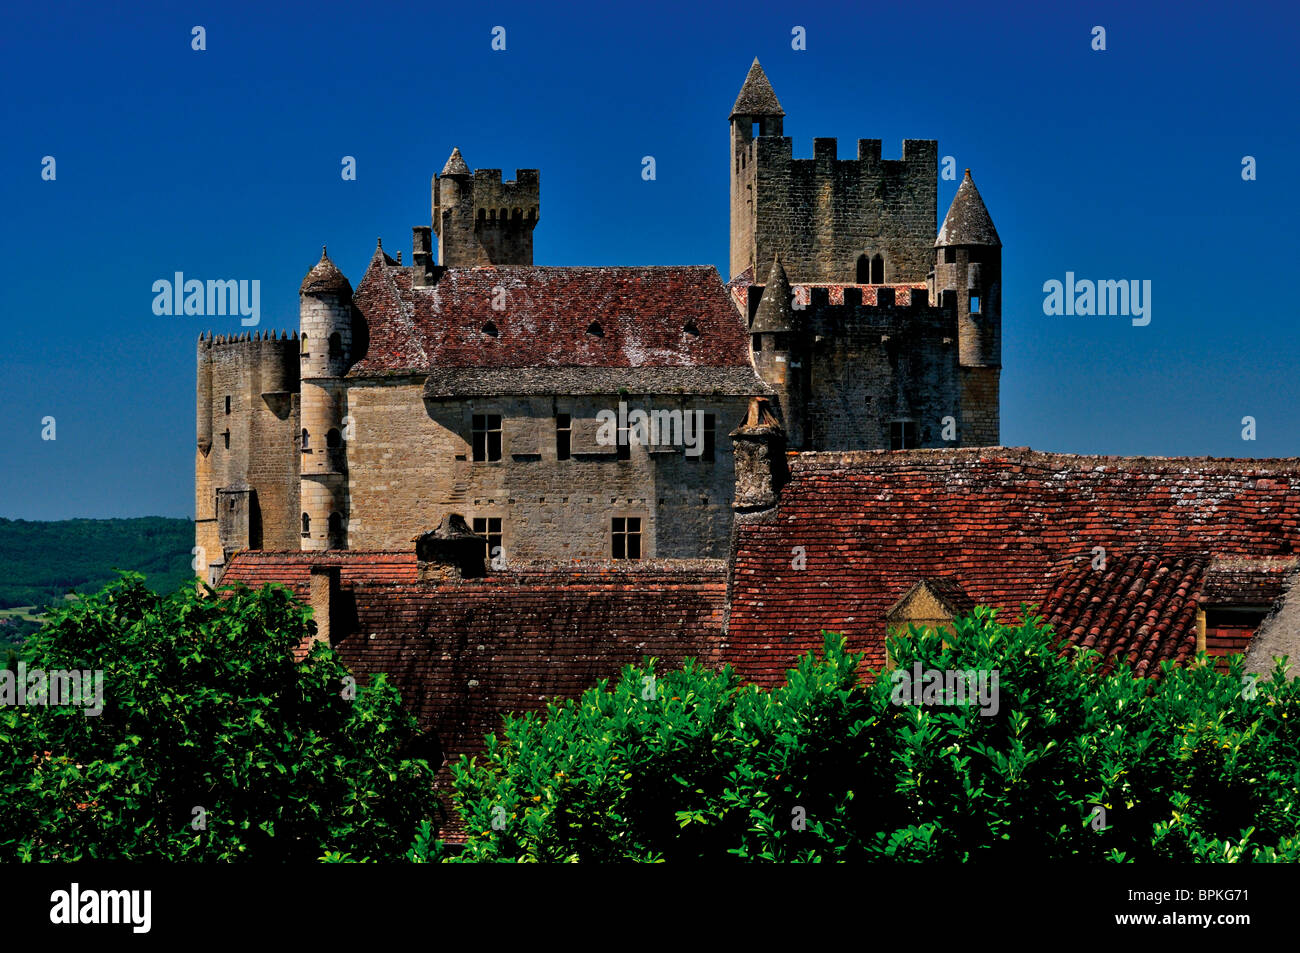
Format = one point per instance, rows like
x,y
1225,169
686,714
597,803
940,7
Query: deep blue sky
x,y
225,163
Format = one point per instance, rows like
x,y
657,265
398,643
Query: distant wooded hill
x,y
40,562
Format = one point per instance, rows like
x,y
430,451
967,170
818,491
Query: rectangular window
x,y
563,436
758,343
487,437
490,527
974,304
226,436
949,256
707,437
227,405
624,447
625,537
902,435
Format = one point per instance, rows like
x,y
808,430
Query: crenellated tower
x,y
831,220
245,466
480,220
327,348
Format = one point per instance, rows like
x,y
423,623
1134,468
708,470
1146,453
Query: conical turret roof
x,y
456,164
325,278
757,98
775,307
967,221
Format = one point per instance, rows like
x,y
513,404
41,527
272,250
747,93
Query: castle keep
x,y
473,382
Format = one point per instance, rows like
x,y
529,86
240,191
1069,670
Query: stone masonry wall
x,y
820,214
410,463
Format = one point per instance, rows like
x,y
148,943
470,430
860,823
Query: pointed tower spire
x,y
456,164
775,309
757,98
968,221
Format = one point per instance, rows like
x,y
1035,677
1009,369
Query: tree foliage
x,y
213,744
692,765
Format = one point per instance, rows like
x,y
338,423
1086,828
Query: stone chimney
x,y
450,552
422,276
324,598
759,452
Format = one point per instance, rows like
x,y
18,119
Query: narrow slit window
x,y
974,304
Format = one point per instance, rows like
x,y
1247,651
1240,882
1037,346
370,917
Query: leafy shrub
x,y
205,707
693,765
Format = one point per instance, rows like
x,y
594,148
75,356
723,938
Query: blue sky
x,y
226,164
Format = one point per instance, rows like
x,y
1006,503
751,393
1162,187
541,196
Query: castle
x,y
475,384
423,461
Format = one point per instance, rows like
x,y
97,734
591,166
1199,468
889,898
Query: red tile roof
x,y
1241,581
257,568
1003,521
1141,607
465,653
642,314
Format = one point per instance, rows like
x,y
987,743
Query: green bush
x,y
693,765
205,707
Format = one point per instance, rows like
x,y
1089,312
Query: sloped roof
x,y
642,313
1141,607
1244,581
257,568
1001,520
756,97
968,221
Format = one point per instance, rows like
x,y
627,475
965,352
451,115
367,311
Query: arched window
x,y
304,346
595,330
336,345
306,440
691,328
336,530
306,525
877,270
333,439
490,329
864,270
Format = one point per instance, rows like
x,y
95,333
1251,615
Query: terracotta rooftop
x,y
643,317
1004,522
1141,607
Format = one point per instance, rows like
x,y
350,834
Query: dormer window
x,y
595,330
